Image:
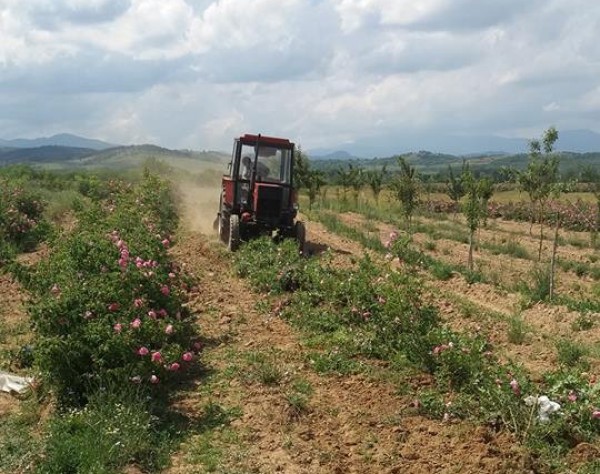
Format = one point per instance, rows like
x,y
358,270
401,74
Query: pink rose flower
x,y
514,386
152,314
169,329
165,243
143,351
136,323
117,327
165,290
114,307
138,302
154,379
187,356
156,356
174,367
596,414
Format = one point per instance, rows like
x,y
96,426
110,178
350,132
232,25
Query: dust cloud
x,y
199,203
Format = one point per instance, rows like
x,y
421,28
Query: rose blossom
x,y
156,356
117,327
169,329
136,323
187,356
174,367
143,351
154,379
165,290
514,386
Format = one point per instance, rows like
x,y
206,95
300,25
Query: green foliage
x,y
21,222
334,224
375,180
538,289
107,303
351,177
570,353
540,179
583,322
19,447
517,330
109,433
455,187
475,209
406,188
373,310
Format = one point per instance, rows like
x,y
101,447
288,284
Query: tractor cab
x,y
258,195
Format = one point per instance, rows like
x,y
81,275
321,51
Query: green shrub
x,y
570,353
517,330
113,430
108,300
21,222
539,287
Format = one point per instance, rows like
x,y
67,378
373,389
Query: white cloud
x,y
194,73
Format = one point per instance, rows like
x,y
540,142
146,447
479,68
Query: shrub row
x,y
21,222
376,311
578,216
107,303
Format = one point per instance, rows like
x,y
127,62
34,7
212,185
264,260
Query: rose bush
x,y
108,302
21,221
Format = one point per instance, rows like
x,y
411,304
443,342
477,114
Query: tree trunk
x,y
470,260
553,260
541,217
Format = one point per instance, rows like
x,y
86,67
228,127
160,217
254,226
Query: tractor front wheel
x,y
234,233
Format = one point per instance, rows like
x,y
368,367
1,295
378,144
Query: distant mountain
x,y
116,158
333,155
62,139
43,154
400,142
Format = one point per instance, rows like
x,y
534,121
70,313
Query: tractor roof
x,y
249,139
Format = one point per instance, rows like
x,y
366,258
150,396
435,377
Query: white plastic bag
x,y
14,383
546,407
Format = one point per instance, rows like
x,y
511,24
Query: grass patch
x,y
333,362
571,353
517,330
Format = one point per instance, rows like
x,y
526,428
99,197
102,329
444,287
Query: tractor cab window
x,y
273,165
247,157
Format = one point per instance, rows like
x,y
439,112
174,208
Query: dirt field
x,y
350,424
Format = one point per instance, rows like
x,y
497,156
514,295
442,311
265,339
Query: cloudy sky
x,y
325,73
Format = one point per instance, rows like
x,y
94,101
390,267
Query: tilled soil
x,y
349,424
352,424
546,323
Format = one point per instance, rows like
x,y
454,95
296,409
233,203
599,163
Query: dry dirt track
x,y
354,424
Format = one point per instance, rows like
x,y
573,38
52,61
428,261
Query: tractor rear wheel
x,y
300,235
222,229
234,233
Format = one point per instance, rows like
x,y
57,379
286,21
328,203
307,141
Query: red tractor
x,y
258,195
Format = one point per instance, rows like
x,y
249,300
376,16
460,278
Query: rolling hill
x,y
115,158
